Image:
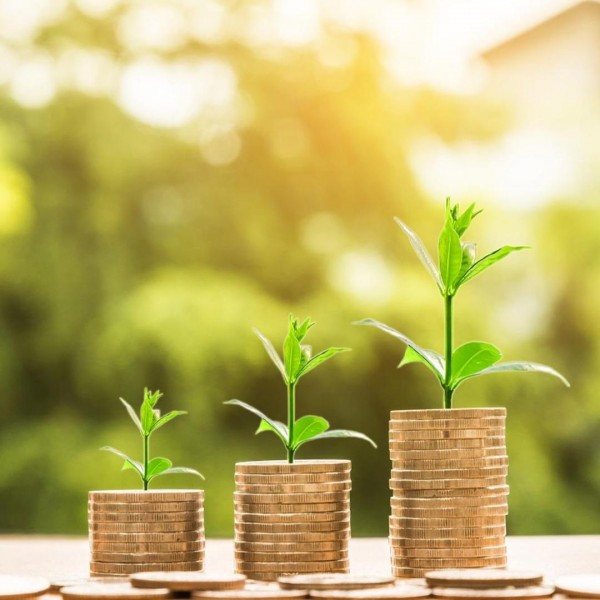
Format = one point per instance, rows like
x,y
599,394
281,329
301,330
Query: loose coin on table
x,y
502,593
581,586
253,593
13,587
398,592
180,581
333,582
111,591
482,578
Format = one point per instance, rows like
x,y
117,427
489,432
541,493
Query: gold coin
x,y
145,507
485,551
440,424
294,557
456,492
444,413
150,547
152,517
272,577
334,582
438,542
474,473
447,532
299,466
445,453
110,591
323,536
294,478
494,593
315,498
179,536
131,568
120,496
245,527
453,523
145,557
397,592
407,435
404,573
493,562
485,578
453,444
460,463
277,509
188,582
293,567
14,588
308,517
482,500
580,586
291,547
446,484
272,593
167,527
289,488
450,513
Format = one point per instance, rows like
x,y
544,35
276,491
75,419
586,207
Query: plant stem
x,y
291,414
449,330
146,459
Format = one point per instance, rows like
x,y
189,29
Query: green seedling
x,y
148,421
297,362
457,266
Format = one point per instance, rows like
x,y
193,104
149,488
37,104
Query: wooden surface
x,y
61,557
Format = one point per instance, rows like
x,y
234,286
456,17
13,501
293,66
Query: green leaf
x,y
520,366
308,427
180,470
463,222
471,358
133,415
152,397
434,360
450,255
147,416
272,353
130,462
412,356
292,354
341,433
302,330
166,418
279,428
468,257
421,252
319,358
487,261
156,466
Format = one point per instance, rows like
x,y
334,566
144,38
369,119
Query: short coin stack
x,y
292,518
132,531
449,491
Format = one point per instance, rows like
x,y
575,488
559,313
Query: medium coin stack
x,y
155,530
449,491
292,518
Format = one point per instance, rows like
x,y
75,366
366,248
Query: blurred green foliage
x,y
127,259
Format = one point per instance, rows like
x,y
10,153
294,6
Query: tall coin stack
x,y
292,518
155,530
449,492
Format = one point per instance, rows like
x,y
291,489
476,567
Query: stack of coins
x,y
292,518
449,491
156,530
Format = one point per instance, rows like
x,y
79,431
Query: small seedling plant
x,y
148,421
297,362
457,265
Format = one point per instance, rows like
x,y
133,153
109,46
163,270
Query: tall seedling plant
x,y
456,266
297,362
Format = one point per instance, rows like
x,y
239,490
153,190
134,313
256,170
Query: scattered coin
x,y
243,526
306,517
293,567
398,592
13,587
121,496
270,593
113,568
334,582
143,517
110,591
475,423
482,578
293,488
442,413
187,582
494,593
582,586
299,466
271,577
292,508
314,498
